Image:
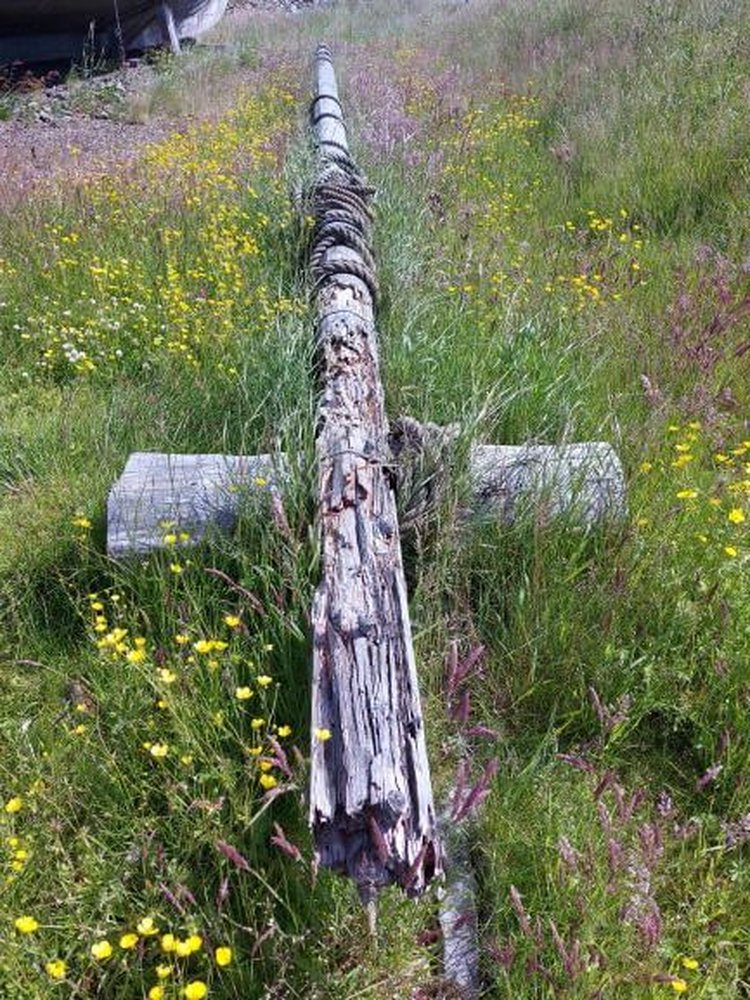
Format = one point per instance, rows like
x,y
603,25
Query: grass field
x,y
564,255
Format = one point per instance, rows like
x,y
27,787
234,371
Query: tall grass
x,y
562,245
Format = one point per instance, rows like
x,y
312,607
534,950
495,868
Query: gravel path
x,y
52,157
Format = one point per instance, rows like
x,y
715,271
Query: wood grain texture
x,y
458,910
371,803
584,482
196,493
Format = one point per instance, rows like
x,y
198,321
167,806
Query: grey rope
x,y
340,205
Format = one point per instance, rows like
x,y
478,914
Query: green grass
x,y
562,243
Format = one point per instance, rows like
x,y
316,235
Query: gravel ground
x,y
50,157
59,137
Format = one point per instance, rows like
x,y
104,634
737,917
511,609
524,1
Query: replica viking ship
x,y
33,30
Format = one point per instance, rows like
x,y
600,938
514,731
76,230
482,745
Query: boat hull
x,y
52,29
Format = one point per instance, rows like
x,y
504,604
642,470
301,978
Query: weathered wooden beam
x,y
371,804
197,493
458,910
203,493
583,482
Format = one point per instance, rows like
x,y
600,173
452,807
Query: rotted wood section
x,y
371,803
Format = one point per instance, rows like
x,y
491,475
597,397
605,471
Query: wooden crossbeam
x,y
205,493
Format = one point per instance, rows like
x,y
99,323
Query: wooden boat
x,y
58,29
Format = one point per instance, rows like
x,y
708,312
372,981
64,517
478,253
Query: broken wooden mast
x,y
371,804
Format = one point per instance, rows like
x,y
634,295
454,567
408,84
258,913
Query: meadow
x,y
564,251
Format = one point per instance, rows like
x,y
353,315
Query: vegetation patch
x,y
562,245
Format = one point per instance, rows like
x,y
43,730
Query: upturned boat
x,y
59,29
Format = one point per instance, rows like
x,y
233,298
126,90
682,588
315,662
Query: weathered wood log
x,y
458,910
202,493
371,804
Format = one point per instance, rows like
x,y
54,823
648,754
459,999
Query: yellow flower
x,y
257,723
195,990
190,945
159,751
101,950
689,963
687,494
243,693
223,955
268,781
163,971
128,941
322,734
730,550
176,568
14,805
147,926
203,646
284,731
194,943
26,925
264,680
136,656
646,466
166,676
56,968
156,993
736,515
170,538
233,621
182,639
679,985
167,942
